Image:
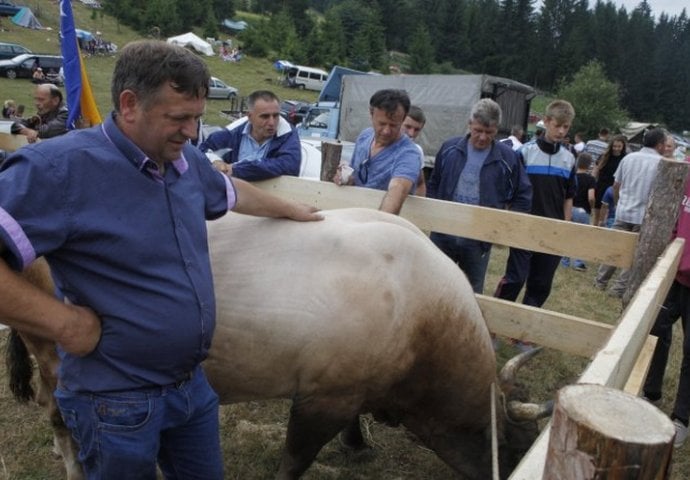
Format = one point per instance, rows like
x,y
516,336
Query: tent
x,y
26,18
233,25
634,131
192,41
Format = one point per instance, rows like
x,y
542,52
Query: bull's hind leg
x,y
351,437
312,424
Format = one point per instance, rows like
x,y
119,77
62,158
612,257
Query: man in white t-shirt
x,y
631,188
412,125
514,141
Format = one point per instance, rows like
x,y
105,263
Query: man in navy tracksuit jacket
x,y
477,170
551,170
259,146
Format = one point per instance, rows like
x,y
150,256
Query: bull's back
x,y
352,300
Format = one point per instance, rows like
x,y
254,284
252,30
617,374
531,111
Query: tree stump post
x,y
659,221
603,433
330,159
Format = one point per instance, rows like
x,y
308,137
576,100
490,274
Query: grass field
x,y
247,75
253,432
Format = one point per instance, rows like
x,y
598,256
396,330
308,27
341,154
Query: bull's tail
x,y
20,368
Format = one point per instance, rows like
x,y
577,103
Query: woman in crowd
x,y
605,168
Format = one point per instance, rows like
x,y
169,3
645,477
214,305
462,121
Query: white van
x,y
306,78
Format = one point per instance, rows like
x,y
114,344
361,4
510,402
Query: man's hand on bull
x,y
223,167
80,332
305,213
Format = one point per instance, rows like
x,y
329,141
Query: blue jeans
x,y
580,215
122,435
472,256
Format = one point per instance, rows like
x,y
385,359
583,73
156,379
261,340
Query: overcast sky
x,y
672,7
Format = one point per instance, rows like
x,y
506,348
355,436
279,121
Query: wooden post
x,y
603,433
659,220
330,158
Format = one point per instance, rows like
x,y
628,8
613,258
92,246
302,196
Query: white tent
x,y
192,41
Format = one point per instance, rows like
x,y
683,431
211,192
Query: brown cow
x,y
358,313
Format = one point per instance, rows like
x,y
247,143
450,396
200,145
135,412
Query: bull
x,y
360,313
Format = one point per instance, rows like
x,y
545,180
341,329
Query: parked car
x,y
218,89
8,9
294,110
11,50
23,66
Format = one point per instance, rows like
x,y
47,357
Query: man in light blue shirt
x,y
384,157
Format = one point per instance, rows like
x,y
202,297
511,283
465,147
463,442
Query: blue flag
x,y
80,101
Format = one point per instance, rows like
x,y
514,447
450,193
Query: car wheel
x,y
231,95
301,86
11,74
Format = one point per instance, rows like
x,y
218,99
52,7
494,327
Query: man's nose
x,y
190,128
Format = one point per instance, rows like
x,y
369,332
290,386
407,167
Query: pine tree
x,y
421,51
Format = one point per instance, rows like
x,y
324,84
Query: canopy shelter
x,y
282,65
84,35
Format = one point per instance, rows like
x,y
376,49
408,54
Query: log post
x,y
660,218
330,158
599,432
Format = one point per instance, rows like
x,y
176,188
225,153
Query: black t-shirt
x,y
584,182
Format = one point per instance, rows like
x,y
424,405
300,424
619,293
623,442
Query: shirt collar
x,y
131,151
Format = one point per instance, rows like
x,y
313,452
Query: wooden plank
x,y
562,332
613,364
637,376
520,230
10,143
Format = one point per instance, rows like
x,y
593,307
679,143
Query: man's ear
x,y
129,105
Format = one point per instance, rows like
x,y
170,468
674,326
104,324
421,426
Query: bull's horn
x,y
524,412
506,377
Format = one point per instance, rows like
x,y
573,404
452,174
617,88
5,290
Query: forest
x,y
543,44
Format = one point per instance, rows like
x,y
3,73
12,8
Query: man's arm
x,y
254,201
29,309
568,209
398,190
616,192
56,126
522,198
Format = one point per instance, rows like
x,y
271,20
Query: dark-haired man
x,y
259,146
384,157
119,212
51,115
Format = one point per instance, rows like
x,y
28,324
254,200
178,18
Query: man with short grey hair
x,y
475,169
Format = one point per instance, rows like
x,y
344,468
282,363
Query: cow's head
x,y
519,418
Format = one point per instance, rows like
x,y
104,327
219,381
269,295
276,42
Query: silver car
x,y
218,89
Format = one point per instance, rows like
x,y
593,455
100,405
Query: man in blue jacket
x,y
477,170
259,146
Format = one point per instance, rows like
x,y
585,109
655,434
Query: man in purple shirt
x,y
119,212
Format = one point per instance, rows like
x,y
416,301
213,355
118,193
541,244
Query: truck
x,y
445,99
